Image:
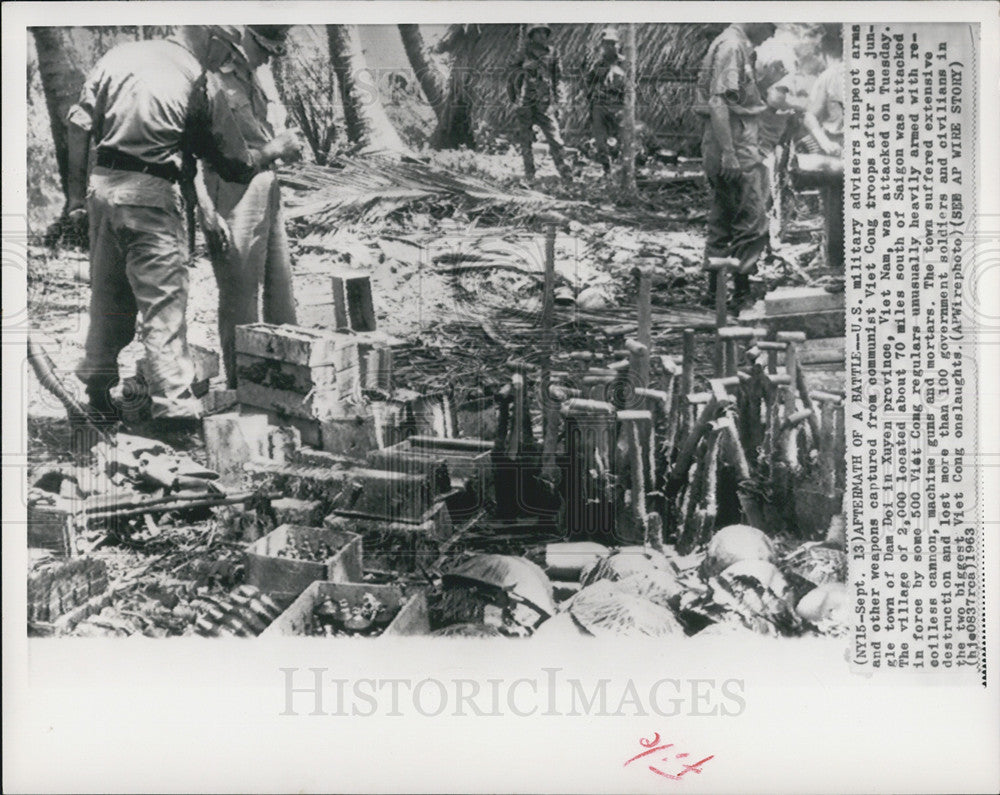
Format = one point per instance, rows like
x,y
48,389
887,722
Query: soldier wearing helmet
x,y
533,86
605,86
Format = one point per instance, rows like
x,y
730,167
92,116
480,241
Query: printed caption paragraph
x,y
910,209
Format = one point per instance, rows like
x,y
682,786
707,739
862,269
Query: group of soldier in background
x,y
176,123
535,88
750,120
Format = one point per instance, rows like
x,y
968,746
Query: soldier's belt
x,y
119,161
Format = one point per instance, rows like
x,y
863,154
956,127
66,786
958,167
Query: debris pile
x,y
509,469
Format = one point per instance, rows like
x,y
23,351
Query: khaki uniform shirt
x,y
151,100
728,71
237,85
826,102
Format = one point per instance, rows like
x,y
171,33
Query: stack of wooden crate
x,y
305,378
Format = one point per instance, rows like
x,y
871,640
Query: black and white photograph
x,y
632,336
479,330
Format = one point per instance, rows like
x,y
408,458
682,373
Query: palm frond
x,y
366,189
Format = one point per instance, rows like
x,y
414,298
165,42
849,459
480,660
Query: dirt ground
x,y
414,260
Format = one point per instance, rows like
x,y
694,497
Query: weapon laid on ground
x,y
45,370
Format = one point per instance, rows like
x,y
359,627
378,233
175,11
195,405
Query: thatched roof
x,y
669,56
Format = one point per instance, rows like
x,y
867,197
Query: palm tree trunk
x,y
62,81
454,128
628,122
365,118
430,79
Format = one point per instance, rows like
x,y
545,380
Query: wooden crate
x,y
50,527
396,545
297,345
410,620
469,465
283,579
59,589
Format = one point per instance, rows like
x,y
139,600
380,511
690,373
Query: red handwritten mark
x,y
653,747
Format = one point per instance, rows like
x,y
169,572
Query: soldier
x,y
145,106
244,225
824,119
534,87
727,96
606,96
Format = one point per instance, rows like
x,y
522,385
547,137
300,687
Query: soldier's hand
x,y
730,166
218,236
76,231
829,147
289,144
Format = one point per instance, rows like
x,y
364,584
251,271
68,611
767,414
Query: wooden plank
x,y
353,307
297,345
290,377
801,300
320,404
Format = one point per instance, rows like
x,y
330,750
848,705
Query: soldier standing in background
x,y
534,87
824,119
606,96
727,96
244,225
147,108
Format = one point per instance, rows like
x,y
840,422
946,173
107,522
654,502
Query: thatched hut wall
x,y
669,57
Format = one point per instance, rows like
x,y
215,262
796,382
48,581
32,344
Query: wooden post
x,y
590,448
722,267
679,473
659,405
687,363
635,427
550,412
645,305
791,339
730,335
638,364
685,414
772,349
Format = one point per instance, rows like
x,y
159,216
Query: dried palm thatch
x,y
365,190
669,56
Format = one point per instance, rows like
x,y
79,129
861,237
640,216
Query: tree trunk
x,y
454,128
629,188
365,118
430,79
62,81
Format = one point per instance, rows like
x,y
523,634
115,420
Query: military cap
x,y
270,37
538,26
609,34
